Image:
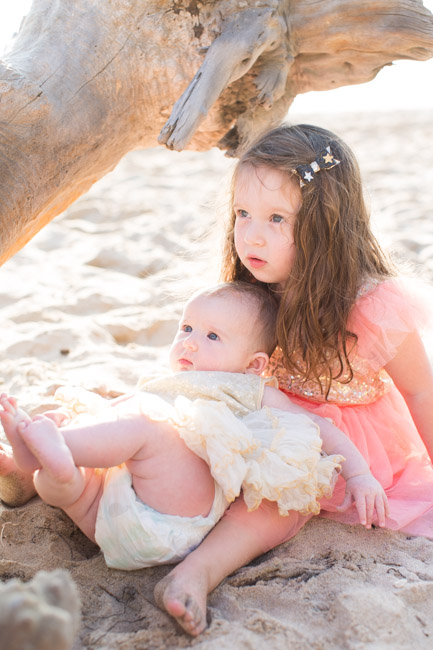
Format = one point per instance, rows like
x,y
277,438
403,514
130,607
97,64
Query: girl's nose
x,y
254,235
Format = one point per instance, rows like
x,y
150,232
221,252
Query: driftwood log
x,y
87,81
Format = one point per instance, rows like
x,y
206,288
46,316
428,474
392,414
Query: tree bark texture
x,y
87,81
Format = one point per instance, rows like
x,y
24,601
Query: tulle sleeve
x,y
385,314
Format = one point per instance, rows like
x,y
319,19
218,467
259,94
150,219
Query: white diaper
x,y
133,535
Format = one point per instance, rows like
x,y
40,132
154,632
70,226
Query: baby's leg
x,y
16,483
58,481
165,473
38,445
11,418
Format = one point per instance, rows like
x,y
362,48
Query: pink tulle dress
x,y
371,411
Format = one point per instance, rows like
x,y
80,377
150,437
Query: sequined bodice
x,y
366,386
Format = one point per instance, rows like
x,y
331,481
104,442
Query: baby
x,y
147,476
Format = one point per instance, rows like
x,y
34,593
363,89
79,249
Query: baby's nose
x,y
190,342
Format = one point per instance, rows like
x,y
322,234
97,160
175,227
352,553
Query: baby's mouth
x,y
186,364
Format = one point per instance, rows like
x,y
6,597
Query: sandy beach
x,y
93,300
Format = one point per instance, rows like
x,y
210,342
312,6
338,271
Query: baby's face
x,y
214,334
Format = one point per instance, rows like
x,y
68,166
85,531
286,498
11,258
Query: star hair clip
x,y
324,160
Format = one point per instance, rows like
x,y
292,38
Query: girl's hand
x,y
368,496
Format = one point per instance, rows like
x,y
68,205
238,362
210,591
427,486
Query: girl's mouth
x,y
256,262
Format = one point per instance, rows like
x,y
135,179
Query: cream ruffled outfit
x,y
265,452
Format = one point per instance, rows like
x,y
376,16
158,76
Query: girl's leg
x,y
238,538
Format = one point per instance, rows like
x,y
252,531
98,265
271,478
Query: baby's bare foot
x,y
185,604
16,485
45,441
13,420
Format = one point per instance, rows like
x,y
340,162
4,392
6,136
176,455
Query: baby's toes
x,y
9,404
8,416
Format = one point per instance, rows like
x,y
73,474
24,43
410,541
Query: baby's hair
x,y
263,315
336,251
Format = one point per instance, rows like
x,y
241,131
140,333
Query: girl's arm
x,y
334,441
361,486
412,375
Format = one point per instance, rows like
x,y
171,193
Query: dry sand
x,y
93,300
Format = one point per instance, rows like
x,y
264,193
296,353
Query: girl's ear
x,y
258,363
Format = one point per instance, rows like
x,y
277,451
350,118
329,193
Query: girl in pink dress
x,y
349,346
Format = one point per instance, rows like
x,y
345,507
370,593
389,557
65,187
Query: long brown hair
x,y
336,252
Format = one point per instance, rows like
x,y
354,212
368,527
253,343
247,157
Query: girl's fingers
x,y
368,502
369,510
385,500
345,504
380,511
361,508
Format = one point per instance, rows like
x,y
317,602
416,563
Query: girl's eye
x,y
241,214
276,218
212,336
186,328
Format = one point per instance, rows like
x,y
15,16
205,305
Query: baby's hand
x,y
368,495
59,416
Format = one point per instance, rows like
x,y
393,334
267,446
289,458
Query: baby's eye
x,y
212,336
186,328
276,218
241,214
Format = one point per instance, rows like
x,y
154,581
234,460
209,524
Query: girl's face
x,y
266,203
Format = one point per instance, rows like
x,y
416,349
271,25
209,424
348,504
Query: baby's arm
x,y
62,416
361,486
412,374
121,398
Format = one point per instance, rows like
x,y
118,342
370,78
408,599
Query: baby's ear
x,y
258,363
